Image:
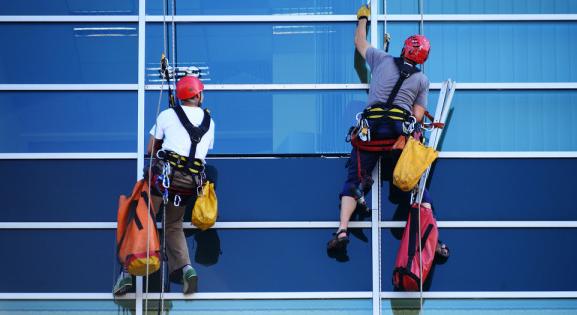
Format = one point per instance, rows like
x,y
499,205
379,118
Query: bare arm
x,y
418,112
361,42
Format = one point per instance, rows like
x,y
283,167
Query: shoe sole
x,y
123,289
190,285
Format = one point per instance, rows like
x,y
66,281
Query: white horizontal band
x,y
68,18
442,154
286,18
353,18
299,295
293,225
296,86
511,154
68,87
67,156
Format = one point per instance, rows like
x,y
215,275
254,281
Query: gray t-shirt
x,y
385,74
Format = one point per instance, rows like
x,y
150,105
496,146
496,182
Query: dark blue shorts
x,y
368,160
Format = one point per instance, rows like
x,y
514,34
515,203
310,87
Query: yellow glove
x,y
364,11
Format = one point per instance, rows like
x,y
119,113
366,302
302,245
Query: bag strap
x,y
405,71
194,132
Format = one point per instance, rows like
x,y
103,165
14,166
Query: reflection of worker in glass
x,y
389,106
180,164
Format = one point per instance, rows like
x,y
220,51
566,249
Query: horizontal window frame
x,y
294,225
298,295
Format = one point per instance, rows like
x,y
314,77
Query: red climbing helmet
x,y
416,49
188,87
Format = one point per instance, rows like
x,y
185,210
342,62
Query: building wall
x,y
79,91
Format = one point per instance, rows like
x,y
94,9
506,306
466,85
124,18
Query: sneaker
x,y
123,284
190,281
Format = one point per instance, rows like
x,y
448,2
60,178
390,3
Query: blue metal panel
x,y
504,189
502,51
64,190
57,122
246,261
58,261
69,7
498,260
69,53
280,260
500,6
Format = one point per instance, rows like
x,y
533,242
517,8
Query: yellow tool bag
x,y
205,208
414,160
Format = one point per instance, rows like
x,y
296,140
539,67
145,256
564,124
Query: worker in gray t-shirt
x,y
384,119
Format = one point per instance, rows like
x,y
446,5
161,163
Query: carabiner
x,y
177,200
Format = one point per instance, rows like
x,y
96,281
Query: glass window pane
x,y
502,51
256,7
499,6
276,122
479,257
522,120
59,307
63,199
78,122
69,7
69,53
261,52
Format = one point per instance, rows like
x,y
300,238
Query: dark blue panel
x,y
510,121
70,121
64,190
480,56
295,189
282,260
499,6
249,261
69,7
276,122
58,261
266,52
69,53
504,189
499,260
293,7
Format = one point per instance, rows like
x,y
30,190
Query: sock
x,y
186,268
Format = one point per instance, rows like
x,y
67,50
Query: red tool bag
x,y
138,245
406,275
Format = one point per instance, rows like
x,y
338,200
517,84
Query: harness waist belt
x,y
381,111
192,165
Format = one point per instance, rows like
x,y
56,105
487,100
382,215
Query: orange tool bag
x,y
136,226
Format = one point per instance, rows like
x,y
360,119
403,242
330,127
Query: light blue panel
x,y
481,307
101,307
271,307
500,6
262,52
69,7
276,122
502,51
68,53
70,121
513,120
277,7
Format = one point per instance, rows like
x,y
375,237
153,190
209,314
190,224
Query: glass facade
x,y
283,95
